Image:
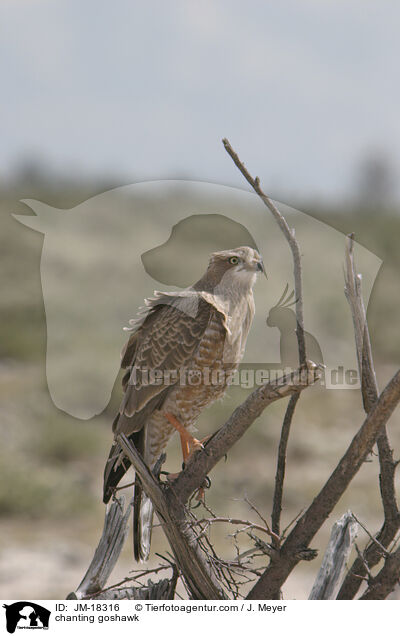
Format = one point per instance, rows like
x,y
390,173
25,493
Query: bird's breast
x,y
207,377
199,385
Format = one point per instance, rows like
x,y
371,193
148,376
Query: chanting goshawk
x,y
179,358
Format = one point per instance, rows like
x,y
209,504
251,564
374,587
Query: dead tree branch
x,y
369,389
159,590
204,574
289,234
310,522
205,523
115,530
343,535
116,525
353,293
387,578
241,419
280,470
192,562
169,500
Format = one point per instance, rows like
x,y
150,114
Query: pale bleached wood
x,y
116,525
336,556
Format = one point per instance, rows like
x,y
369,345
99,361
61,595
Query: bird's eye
x,y
233,260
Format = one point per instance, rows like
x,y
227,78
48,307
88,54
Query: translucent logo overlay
x,y
102,258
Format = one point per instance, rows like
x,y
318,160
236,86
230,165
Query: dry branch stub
x,y
343,535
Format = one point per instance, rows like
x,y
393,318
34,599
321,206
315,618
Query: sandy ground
x,y
52,564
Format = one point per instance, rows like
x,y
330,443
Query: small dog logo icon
x,y
26,615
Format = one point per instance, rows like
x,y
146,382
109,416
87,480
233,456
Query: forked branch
x,y
289,235
369,389
310,522
169,499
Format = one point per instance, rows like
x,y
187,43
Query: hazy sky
x,y
145,90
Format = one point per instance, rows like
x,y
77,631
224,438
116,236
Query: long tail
x,y
115,469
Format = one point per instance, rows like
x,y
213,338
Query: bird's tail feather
x,y
115,469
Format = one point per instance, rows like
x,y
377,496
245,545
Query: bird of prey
x,y
179,358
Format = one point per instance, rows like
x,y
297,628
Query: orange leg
x,y
189,446
189,443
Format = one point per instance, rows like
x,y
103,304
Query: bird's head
x,y
237,267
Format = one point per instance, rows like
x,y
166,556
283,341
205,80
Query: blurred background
x,y
97,96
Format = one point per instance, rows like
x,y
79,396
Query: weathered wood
x,y
269,584
290,236
329,577
160,590
116,525
169,502
191,560
238,423
369,390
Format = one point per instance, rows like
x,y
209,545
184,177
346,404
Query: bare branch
x,y
139,574
369,389
354,297
248,525
291,523
159,590
241,419
291,239
289,234
116,524
385,581
310,522
281,467
192,562
343,535
368,571
196,565
379,545
258,513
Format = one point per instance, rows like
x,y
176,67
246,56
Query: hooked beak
x,y
261,268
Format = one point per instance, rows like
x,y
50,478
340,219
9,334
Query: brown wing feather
x,y
129,350
166,341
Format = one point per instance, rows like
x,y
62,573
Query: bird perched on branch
x,y
179,357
